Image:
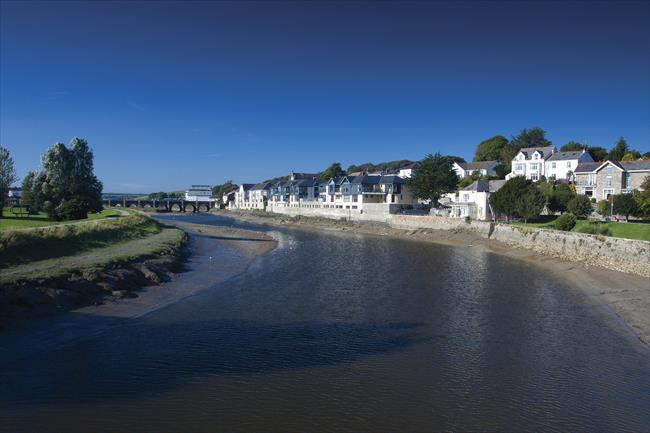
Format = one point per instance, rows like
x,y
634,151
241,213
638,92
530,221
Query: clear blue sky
x,y
174,93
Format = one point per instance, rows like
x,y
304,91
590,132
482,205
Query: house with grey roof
x,y
562,165
242,196
482,168
473,201
602,179
530,162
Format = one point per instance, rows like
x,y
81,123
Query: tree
x,y
502,170
530,203
333,170
643,198
433,178
619,150
219,190
626,204
565,222
632,155
560,197
572,146
27,196
598,153
7,175
533,137
604,208
67,175
490,149
580,206
504,200
646,156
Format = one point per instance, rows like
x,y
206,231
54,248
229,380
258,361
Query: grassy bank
x,y
11,221
19,247
631,230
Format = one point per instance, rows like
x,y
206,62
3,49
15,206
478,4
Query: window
x,y
609,170
533,166
536,156
519,167
553,165
627,180
568,164
608,180
534,176
465,198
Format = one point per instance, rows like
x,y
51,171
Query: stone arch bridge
x,y
168,205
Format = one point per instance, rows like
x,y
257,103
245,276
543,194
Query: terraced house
x,y
602,179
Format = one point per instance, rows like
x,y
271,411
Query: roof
x,y
564,156
367,180
410,166
478,165
545,151
261,186
391,178
485,185
590,167
247,186
642,165
304,182
587,167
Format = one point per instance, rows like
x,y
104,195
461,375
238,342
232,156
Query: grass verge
x,y
25,246
11,221
630,230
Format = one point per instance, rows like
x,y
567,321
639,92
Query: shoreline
x,y
626,295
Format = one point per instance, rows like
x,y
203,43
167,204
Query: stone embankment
x,y
625,255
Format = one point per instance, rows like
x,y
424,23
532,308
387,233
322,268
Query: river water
x,y
345,332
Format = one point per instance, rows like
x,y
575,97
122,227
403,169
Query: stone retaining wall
x,y
627,255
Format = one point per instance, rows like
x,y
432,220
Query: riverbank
x,y
627,295
60,268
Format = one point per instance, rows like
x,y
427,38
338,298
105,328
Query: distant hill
x,y
382,166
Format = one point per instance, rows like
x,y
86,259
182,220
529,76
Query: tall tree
x,y
598,153
643,198
333,170
619,150
84,184
518,197
7,175
626,204
530,204
490,149
533,137
560,197
572,146
433,178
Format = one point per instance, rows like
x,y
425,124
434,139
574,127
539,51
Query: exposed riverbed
x,y
333,332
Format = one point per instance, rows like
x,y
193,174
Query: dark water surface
x,y
344,332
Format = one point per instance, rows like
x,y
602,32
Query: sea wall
x,y
377,212
627,255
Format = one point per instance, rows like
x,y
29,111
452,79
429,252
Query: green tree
x,y
530,203
643,198
490,149
619,150
433,178
219,190
504,200
560,197
598,153
533,137
7,176
572,146
626,204
27,197
580,206
502,170
604,208
67,174
333,170
632,155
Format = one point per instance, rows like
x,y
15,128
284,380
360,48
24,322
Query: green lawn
x,y
631,230
10,221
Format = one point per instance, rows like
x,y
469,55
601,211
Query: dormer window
x,y
536,156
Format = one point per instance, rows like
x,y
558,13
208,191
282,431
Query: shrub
x,y
580,206
565,222
468,219
73,209
593,199
594,229
604,207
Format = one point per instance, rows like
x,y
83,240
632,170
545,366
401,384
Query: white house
x,y
258,196
198,193
242,196
408,170
483,168
473,201
562,165
531,162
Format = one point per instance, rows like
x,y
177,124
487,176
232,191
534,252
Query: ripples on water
x,y
344,332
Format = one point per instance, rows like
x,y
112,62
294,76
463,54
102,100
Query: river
x,y
343,332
